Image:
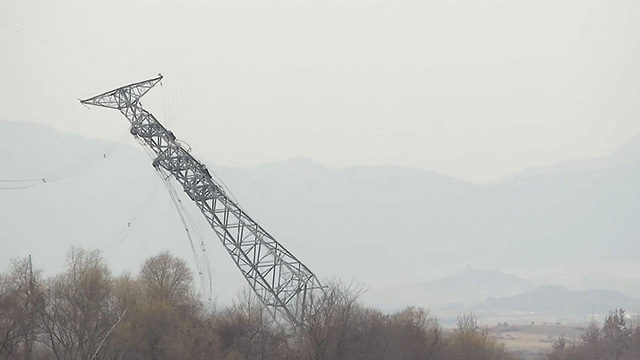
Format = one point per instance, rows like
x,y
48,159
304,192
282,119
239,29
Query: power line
x,y
33,182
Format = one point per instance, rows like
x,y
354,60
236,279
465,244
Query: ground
x,y
533,339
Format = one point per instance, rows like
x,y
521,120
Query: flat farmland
x,y
532,340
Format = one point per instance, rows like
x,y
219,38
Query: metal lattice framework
x,y
277,277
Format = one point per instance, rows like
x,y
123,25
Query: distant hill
x,y
562,303
499,297
424,225
459,290
629,153
36,151
381,226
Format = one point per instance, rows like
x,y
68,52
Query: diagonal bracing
x,y
279,279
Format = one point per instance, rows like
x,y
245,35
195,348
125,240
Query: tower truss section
x,y
278,278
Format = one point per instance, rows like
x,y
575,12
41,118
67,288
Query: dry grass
x,y
534,339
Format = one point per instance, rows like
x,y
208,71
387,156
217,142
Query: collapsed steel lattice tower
x,y
277,277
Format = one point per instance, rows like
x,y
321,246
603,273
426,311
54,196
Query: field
x,y
532,340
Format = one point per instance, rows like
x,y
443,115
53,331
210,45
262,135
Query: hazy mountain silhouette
x,y
381,226
629,153
562,303
494,294
459,290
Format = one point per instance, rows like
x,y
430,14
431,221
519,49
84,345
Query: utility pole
x,y
29,310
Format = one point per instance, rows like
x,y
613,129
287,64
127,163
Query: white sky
x,y
476,89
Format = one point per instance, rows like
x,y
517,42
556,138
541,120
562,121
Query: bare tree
x,y
21,299
162,310
470,341
332,330
416,335
79,306
126,295
81,315
166,278
249,330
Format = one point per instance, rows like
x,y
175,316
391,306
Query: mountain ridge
x,y
627,153
381,226
565,304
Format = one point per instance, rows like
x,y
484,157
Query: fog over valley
x,y
413,237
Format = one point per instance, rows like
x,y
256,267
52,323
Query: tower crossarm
x,y
123,97
278,278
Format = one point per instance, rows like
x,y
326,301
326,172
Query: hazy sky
x,y
476,89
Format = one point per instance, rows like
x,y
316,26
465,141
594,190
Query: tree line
x,y
617,339
85,312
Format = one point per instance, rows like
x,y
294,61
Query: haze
x,y
477,90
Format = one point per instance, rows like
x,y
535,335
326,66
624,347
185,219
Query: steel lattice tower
x,y
279,279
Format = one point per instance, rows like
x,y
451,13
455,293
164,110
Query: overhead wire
x,y
41,181
173,97
173,105
103,155
189,224
59,37
19,180
110,151
200,238
192,224
203,266
127,230
177,202
25,18
202,263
